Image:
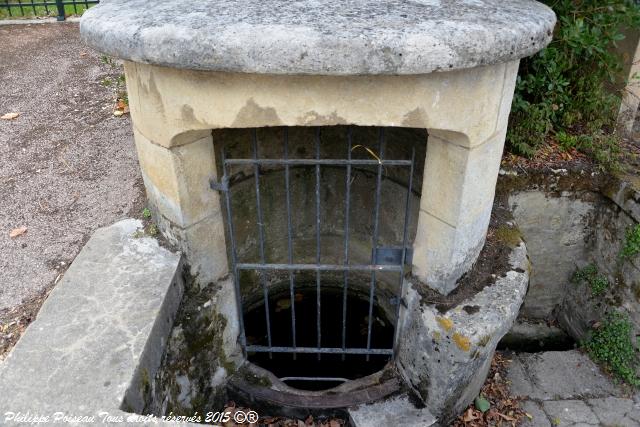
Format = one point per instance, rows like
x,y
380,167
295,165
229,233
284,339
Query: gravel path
x,y
67,165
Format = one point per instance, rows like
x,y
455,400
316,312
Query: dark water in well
x,y
329,365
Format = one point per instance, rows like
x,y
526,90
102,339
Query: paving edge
x,y
99,338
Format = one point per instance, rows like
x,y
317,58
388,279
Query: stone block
x,y
614,411
569,413
99,338
535,415
455,209
394,411
177,179
446,356
554,375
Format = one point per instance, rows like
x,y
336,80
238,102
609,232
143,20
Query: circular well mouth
x,y
315,372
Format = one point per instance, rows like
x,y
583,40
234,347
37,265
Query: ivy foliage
x,y
598,283
631,246
611,345
563,91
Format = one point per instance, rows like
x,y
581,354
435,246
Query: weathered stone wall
x,y
570,221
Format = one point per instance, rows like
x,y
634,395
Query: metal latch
x,y
392,256
223,185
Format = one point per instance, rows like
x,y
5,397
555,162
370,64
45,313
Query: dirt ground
x,y
67,164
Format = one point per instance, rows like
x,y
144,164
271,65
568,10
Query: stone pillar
x,y
460,174
187,211
630,50
455,207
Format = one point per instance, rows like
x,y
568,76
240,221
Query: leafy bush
x,y
598,283
632,243
562,91
611,345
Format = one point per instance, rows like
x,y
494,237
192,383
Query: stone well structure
x,y
445,66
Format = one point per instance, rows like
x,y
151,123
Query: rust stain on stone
x,y
445,323
462,342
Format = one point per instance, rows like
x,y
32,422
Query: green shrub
x,y
562,91
598,283
631,246
611,345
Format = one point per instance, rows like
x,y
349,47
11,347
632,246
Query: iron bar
x,y
331,379
391,262
44,8
265,291
234,262
316,267
346,241
407,209
374,240
315,162
318,296
289,242
323,350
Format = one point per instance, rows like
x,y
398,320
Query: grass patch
x,y
611,345
598,283
18,10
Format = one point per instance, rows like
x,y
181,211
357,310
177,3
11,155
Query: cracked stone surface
x,y
396,411
329,37
100,330
565,388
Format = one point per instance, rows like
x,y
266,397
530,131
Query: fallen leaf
x,y
17,232
482,404
506,417
118,113
10,116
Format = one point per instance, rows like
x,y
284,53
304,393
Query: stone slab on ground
x,y
569,412
536,416
100,335
320,37
566,388
555,375
394,411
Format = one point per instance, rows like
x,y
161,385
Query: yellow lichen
x,y
445,323
462,342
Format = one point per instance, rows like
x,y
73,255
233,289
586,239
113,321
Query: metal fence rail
x,y
58,8
291,268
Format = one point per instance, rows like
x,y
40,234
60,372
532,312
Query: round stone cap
x,y
324,37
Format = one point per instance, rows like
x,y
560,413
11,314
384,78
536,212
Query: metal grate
x,y
382,259
58,8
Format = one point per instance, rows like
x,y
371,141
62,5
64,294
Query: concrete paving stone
x,y
395,411
538,417
613,411
556,375
569,413
99,334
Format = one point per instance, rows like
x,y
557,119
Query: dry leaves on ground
x,y
17,232
268,421
10,116
504,410
121,108
13,321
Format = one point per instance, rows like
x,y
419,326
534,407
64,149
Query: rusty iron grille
x,y
382,259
